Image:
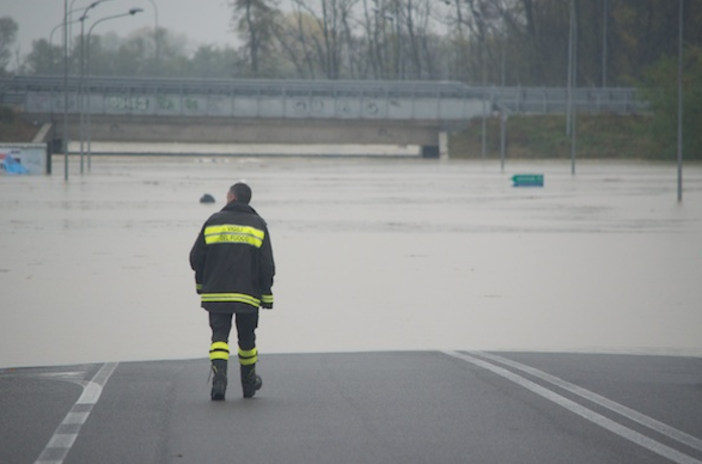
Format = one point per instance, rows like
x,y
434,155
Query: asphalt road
x,y
373,407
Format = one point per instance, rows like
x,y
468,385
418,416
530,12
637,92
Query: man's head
x,y
239,192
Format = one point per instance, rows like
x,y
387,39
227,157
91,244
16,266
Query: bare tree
x,y
8,35
255,21
328,41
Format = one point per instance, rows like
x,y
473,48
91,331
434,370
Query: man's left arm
x,y
267,272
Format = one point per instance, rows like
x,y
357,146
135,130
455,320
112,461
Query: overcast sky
x,y
202,21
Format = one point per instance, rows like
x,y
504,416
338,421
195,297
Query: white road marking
x,y
66,375
75,418
61,442
653,424
598,419
91,393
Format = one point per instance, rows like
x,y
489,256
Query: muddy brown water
x,y
372,254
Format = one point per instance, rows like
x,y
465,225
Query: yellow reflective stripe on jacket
x,y
232,233
230,298
267,298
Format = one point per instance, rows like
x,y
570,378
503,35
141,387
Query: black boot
x,y
250,382
219,379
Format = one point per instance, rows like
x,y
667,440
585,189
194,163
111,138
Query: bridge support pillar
x,y
443,145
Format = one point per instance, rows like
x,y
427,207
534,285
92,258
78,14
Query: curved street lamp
x,y
81,71
51,42
84,9
131,12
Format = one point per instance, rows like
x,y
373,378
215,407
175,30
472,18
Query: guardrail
x,y
555,99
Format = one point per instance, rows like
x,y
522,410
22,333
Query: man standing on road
x,y
233,263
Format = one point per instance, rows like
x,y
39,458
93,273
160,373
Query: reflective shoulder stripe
x,y
230,298
233,233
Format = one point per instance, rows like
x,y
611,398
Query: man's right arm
x,y
198,255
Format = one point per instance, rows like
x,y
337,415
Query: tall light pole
x,y
569,84
83,9
483,68
605,16
64,142
70,32
66,13
573,77
131,12
156,38
483,53
51,42
81,84
680,100
62,24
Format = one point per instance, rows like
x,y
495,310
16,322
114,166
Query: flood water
x,y
371,254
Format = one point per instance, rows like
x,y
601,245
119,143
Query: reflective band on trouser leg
x,y
219,350
248,357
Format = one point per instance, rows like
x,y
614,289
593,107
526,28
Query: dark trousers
x,y
246,325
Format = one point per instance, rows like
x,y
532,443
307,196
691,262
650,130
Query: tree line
x,y
491,42
479,42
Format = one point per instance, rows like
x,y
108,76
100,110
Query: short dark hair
x,y
241,192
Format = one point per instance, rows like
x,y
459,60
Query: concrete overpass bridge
x,y
289,112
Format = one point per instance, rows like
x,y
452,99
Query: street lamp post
x,y
61,24
605,15
81,85
156,39
574,80
680,103
65,90
84,9
571,110
51,42
66,22
131,12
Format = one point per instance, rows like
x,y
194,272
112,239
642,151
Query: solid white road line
x,y
653,424
66,433
598,419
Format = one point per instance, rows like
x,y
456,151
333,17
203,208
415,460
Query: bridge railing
x,y
555,99
262,98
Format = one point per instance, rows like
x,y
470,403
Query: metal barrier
x,y
323,99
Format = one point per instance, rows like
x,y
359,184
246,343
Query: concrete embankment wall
x,y
181,135
226,130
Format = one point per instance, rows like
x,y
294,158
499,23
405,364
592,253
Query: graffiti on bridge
x,y
129,103
215,105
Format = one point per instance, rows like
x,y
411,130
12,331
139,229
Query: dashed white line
x,y
598,419
67,432
75,418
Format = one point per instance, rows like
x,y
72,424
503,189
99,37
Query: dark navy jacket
x,y
233,261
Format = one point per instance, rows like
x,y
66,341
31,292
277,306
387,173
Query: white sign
x,y
30,155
